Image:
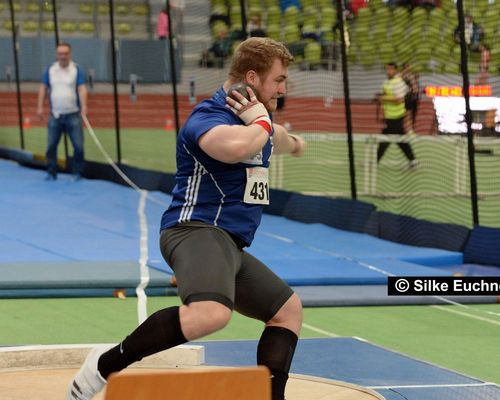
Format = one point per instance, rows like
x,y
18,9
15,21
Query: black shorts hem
x,y
219,298
284,297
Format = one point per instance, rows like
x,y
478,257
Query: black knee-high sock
x,y
275,351
160,331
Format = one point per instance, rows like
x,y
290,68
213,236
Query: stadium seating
x,y
312,55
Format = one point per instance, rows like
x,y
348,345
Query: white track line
x,y
447,309
319,330
142,311
434,386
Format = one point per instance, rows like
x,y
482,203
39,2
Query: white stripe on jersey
x,y
193,186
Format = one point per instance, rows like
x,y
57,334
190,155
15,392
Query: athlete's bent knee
x,y
289,315
202,318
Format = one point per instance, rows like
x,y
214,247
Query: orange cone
x,y
169,124
27,122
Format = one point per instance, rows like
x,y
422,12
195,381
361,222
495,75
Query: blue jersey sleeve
x,y
80,76
45,78
206,118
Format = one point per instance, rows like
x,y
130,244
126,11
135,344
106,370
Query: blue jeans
x,y
72,125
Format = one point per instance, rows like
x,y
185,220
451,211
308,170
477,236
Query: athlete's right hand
x,y
249,111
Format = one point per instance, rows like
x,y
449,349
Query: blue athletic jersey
x,y
208,190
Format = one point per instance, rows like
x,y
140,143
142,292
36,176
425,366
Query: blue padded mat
x,y
359,362
351,244
96,221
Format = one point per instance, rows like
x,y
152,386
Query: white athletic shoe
x,y
88,381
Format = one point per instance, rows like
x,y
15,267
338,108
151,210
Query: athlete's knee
x,y
289,315
202,318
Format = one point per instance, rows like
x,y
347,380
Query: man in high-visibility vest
x,y
394,90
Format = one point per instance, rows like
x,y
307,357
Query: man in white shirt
x,y
64,81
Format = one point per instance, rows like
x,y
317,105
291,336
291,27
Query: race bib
x,y
257,187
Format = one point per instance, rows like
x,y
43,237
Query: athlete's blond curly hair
x,y
257,54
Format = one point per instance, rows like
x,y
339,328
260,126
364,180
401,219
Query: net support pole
x,y
15,51
54,19
243,18
173,69
347,99
115,82
56,39
468,114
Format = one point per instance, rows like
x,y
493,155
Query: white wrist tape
x,y
253,113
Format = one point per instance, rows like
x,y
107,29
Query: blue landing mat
x,y
338,242
356,361
96,221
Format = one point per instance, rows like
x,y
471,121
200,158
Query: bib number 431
x,y
257,187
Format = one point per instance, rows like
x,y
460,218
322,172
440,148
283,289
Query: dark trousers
x,y
72,125
395,127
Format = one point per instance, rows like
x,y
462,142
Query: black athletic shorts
x,y
208,265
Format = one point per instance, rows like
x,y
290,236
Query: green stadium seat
x,y
386,53
291,16
362,33
31,26
328,17
68,26
215,3
271,3
86,27
311,15
48,26
473,67
17,7
324,4
437,17
379,34
233,3
140,9
2,7
7,25
86,8
366,56
292,34
312,55
441,54
352,56
447,5
327,36
124,28
309,3
364,17
33,7
122,9
273,16
254,11
382,15
254,4
47,7
219,9
309,29
451,68
235,17
103,8
375,4
274,32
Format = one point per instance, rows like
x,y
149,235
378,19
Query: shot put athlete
x,y
223,155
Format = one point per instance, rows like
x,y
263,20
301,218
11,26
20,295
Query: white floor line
x,y
318,330
447,309
433,386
